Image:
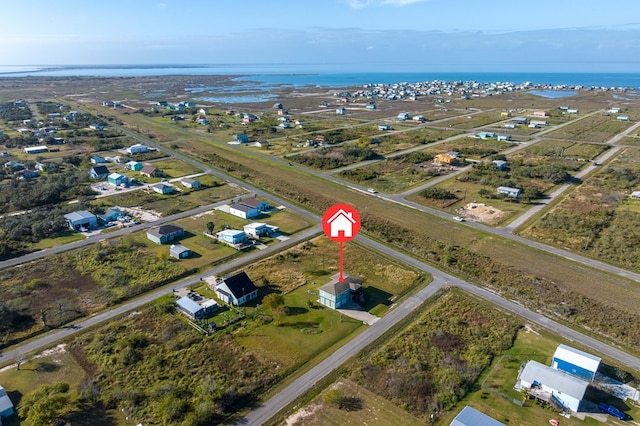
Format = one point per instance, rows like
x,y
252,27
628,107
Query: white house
x,y
137,149
245,212
635,195
403,116
554,385
509,192
341,222
256,229
36,149
232,237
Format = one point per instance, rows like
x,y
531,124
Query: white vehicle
x,y
371,190
458,218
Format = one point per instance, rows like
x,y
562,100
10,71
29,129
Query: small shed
x,y
179,251
504,137
472,417
576,362
190,183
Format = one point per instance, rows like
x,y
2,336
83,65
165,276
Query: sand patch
x,y
480,212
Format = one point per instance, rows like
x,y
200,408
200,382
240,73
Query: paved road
x,y
99,237
305,382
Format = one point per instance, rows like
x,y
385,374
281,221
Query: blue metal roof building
x,y
472,417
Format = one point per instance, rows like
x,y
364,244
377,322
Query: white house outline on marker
x,y
341,221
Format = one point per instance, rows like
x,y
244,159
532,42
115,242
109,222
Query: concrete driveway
x,y
363,316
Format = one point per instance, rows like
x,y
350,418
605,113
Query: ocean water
x,y
262,76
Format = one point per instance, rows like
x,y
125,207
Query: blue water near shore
x,y
321,75
553,94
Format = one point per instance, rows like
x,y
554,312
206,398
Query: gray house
x,y
81,220
165,233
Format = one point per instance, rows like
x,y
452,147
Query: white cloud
x,y
358,4
162,5
402,2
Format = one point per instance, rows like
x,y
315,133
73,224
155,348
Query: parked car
x,y
612,411
371,190
458,218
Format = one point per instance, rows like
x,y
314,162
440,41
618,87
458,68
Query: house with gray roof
x,y
552,385
81,220
471,417
164,234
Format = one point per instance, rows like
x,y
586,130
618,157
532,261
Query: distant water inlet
x,y
553,94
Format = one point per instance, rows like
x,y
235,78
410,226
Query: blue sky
x,y
353,35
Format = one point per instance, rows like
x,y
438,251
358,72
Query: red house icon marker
x,y
341,222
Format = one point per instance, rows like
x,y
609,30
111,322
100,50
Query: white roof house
x,y
575,362
564,389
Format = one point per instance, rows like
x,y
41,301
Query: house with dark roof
x,y
149,171
337,294
164,234
243,211
255,203
236,290
99,172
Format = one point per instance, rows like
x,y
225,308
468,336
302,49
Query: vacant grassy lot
x,y
398,141
368,409
174,168
169,204
470,147
473,120
436,360
395,174
596,128
598,218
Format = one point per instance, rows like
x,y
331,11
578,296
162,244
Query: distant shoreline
x,y
298,76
